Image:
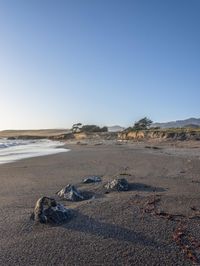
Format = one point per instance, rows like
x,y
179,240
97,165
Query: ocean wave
x,y
5,143
12,150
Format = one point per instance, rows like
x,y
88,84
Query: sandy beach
x,y
136,227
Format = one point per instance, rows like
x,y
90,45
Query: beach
x,y
136,227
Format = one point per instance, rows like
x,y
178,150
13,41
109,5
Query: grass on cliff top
x,y
177,130
167,130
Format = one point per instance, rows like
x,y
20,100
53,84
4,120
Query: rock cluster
x,y
47,210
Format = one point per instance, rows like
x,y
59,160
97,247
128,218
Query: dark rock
x,y
70,192
11,138
66,136
30,137
119,184
47,210
92,179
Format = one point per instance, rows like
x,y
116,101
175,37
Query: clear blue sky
x,y
98,61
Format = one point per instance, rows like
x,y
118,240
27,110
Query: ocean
x,y
13,150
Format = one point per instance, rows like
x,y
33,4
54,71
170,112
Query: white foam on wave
x,y
13,150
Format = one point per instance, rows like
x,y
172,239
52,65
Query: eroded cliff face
x,y
160,135
132,135
86,136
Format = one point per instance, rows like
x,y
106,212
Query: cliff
x,y
170,134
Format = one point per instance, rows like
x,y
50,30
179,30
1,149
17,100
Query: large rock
x,y
70,192
92,179
118,184
47,210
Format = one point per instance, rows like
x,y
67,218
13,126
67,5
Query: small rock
x,y
92,179
47,210
119,184
70,192
182,172
99,143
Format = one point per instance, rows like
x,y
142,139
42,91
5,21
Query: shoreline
x,y
111,227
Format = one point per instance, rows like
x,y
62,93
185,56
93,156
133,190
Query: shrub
x,y
143,124
93,128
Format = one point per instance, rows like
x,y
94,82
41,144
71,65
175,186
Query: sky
x,y
102,62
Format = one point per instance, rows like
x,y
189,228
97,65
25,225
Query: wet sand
x,y
112,229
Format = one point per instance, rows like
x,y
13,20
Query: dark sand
x,y
111,229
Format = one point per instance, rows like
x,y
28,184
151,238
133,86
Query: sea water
x,y
13,150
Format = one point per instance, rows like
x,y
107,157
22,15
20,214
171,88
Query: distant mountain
x,y
115,128
192,122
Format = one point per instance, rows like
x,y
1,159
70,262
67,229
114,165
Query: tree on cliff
x,y
87,128
93,128
143,124
76,127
